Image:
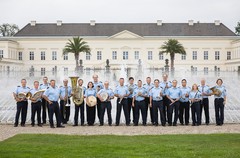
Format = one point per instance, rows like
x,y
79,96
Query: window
x,y
161,56
54,55
149,55
217,55
205,55
205,70
229,56
43,71
114,55
194,55
65,57
31,56
136,55
66,71
19,55
125,55
43,55
1,53
183,56
99,55
88,56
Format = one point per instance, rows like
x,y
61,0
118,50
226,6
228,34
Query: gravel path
x,y
7,131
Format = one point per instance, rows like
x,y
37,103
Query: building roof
x,y
110,29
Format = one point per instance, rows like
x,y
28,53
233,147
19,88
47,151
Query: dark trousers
x,y
64,112
44,109
21,108
98,109
91,114
77,108
158,105
54,109
175,107
36,108
106,105
205,106
124,105
196,113
147,101
166,102
131,108
219,110
184,111
140,105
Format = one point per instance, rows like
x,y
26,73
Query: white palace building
x,y
38,46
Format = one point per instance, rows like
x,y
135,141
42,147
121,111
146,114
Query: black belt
x,y
219,99
53,101
37,102
157,100
139,101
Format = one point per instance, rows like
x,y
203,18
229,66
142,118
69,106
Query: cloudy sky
x,y
22,12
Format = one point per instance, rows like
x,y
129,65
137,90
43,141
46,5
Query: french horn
x,y
216,91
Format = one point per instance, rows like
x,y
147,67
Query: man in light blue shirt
x,y
148,86
131,87
106,104
184,103
22,103
51,95
173,94
138,103
44,86
122,92
65,94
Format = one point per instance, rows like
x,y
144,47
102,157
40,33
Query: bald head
x,y
203,81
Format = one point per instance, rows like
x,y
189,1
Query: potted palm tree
x,y
76,46
172,46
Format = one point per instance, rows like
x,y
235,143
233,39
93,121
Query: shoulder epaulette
x,y
28,87
47,87
41,84
18,86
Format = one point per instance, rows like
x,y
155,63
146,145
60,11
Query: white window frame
x,y
88,56
183,56
194,55
114,55
161,56
205,55
54,55
65,56
217,55
31,55
136,55
125,55
20,56
229,55
43,55
99,55
43,71
150,55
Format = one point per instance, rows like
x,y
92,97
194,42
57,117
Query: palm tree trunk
x,y
172,61
76,59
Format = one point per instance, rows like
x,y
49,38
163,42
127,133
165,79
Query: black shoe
x,y
44,122
32,125
187,124
52,127
163,125
39,125
60,126
101,125
156,124
182,124
15,125
207,124
174,124
75,125
82,124
23,125
127,124
169,124
144,124
135,125
193,124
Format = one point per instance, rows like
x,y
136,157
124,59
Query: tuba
x,y
77,91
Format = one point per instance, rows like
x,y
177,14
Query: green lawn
x,y
39,145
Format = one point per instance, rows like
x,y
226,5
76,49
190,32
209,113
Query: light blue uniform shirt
x,y
223,90
44,86
163,85
184,91
90,92
139,90
63,89
155,93
84,89
121,90
52,93
97,84
148,88
204,89
32,91
134,86
109,92
174,93
195,95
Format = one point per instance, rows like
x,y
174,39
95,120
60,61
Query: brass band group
x,y
166,102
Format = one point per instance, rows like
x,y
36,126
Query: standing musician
x,y
22,103
131,86
36,105
122,92
220,102
205,90
195,97
184,103
165,84
81,106
44,86
148,86
51,95
138,102
65,94
106,104
173,94
91,111
97,86
156,102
